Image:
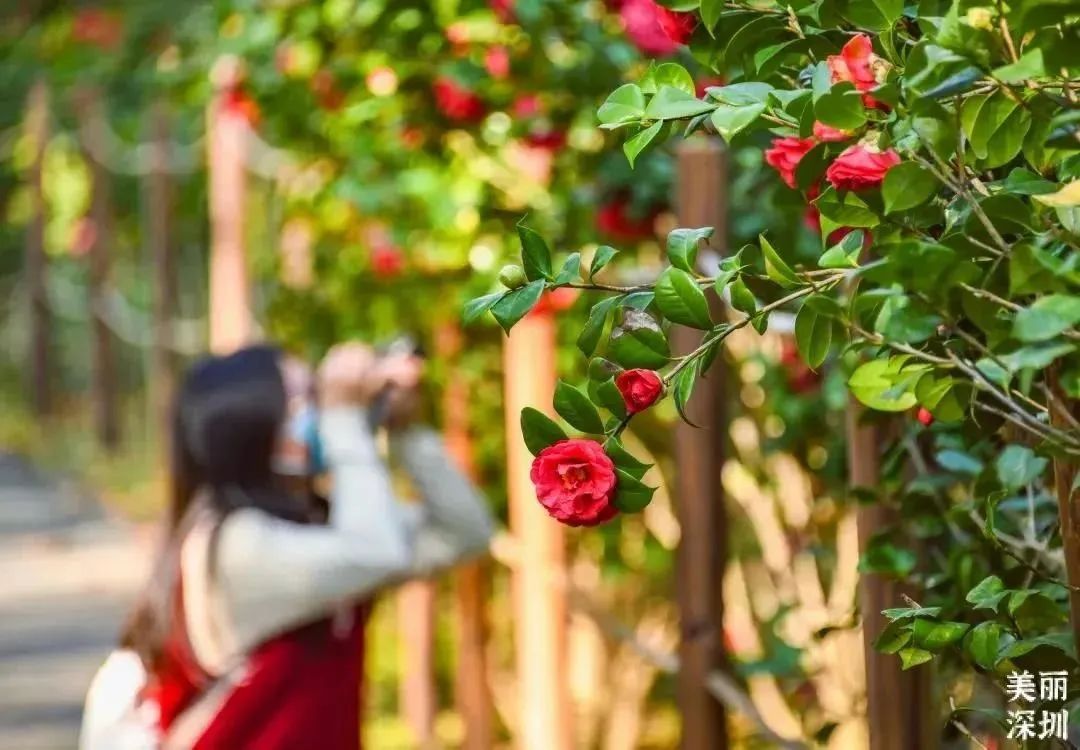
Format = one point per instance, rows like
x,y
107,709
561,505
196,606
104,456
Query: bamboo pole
x,y
416,627
897,702
472,694
102,367
230,286
701,201
36,265
539,606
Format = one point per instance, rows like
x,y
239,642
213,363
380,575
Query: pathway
x,y
66,575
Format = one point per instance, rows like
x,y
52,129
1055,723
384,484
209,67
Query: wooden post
x,y
416,626
37,126
1061,407
230,287
159,197
102,367
539,606
897,702
473,697
701,201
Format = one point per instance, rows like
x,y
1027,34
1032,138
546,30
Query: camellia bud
x,y
512,276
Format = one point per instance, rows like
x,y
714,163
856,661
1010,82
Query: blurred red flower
x,y
503,9
552,139
654,29
236,101
98,28
613,218
497,61
457,102
525,106
387,261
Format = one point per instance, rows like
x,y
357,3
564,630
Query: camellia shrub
x,y
936,147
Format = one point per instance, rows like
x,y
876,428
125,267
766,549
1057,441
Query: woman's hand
x,y
352,374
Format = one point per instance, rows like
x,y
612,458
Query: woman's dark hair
x,y
227,415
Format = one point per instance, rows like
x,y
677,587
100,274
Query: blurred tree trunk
x,y
699,455
36,266
540,613
897,702
159,192
230,286
102,367
473,695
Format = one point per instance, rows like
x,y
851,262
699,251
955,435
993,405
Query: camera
x,y
381,404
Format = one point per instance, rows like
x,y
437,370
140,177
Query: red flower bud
x,y
924,416
575,482
640,389
859,168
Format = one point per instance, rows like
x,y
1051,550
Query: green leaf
x,y
742,299
1030,65
841,108
906,186
887,559
624,104
684,388
987,594
571,268
934,636
682,246
775,267
885,384
945,399
575,407
606,393
604,255
539,430
594,326
631,494
1036,356
671,103
913,657
1025,182
624,460
674,75
1018,466
982,644
875,15
959,463
474,308
513,306
814,329
850,211
680,299
902,319
729,120
639,142
893,637
711,11
535,255
638,341
896,614
845,253
1047,317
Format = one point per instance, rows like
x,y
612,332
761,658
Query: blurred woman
x,y
251,633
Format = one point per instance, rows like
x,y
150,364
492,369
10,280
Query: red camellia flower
x,y
924,416
614,219
551,140
457,102
98,28
387,261
800,378
640,389
785,155
702,85
503,10
654,29
497,62
828,134
575,482
555,301
860,168
525,106
857,63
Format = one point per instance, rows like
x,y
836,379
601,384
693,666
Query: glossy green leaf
x,y
515,305
842,107
987,594
1018,466
624,460
637,343
934,635
640,142
775,267
625,104
474,308
575,407
539,430
907,185
682,246
913,657
631,494
1047,317
983,644
886,384
570,270
683,389
729,120
674,75
593,329
535,255
814,326
671,103
680,299
601,258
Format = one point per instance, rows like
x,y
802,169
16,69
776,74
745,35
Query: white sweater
x,y
274,575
